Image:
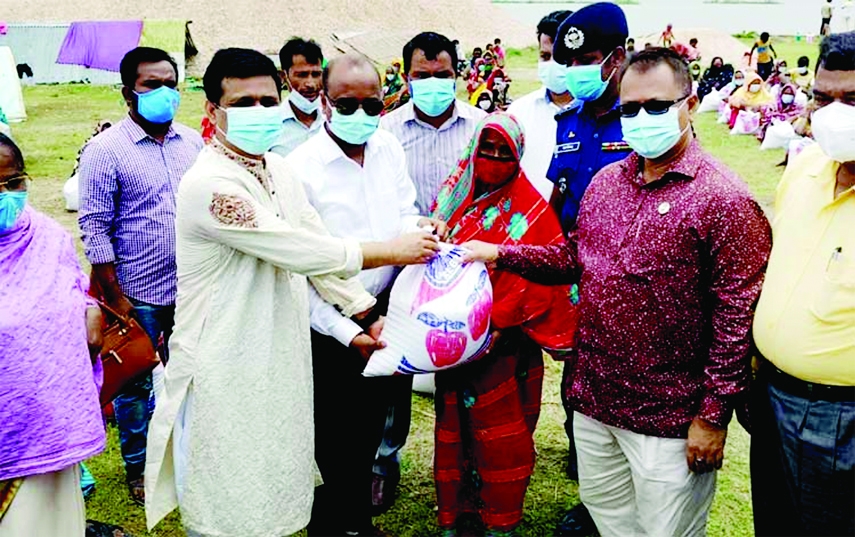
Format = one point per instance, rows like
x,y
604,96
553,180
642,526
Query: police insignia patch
x,y
574,38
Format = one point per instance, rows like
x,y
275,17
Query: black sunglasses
x,y
15,182
654,108
347,106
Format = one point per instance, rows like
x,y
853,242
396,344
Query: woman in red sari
x,y
487,410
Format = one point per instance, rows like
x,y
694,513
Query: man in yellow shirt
x,y
802,75
803,438
766,56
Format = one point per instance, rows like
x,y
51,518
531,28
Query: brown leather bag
x,y
127,353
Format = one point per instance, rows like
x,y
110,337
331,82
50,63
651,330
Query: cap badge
x,y
574,38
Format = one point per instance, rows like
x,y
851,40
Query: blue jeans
x,y
818,447
133,407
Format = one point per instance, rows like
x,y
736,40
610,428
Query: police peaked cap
x,y
600,26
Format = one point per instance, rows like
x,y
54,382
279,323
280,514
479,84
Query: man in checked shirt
x,y
128,178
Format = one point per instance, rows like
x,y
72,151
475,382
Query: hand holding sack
x,y
438,317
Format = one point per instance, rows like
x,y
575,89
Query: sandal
x,y
136,489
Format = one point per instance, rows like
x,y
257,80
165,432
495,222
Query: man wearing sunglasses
x,y
670,249
693,246
356,177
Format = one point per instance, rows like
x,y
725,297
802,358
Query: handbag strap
x,y
124,320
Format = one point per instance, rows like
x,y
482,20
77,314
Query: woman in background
x,y
751,97
716,77
786,108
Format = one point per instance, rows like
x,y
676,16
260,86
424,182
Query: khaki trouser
x,y
637,486
47,505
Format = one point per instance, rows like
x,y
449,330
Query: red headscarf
x,y
514,213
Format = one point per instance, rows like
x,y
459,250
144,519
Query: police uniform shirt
x,y
584,145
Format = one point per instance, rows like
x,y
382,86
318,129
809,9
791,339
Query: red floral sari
x,y
487,410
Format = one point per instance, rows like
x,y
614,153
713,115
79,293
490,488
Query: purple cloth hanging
x,y
99,45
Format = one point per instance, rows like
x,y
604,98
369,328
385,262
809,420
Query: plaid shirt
x,y
128,182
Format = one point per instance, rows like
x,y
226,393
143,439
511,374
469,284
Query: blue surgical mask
x,y
303,104
255,129
651,136
355,128
11,206
553,76
433,95
158,106
585,82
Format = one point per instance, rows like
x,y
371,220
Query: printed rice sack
x,y
438,318
746,122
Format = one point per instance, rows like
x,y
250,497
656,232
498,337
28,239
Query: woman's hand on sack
x,y
94,331
440,228
480,251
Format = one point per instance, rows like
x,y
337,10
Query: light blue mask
x,y
354,129
254,129
11,206
433,95
553,76
303,104
651,136
585,82
158,106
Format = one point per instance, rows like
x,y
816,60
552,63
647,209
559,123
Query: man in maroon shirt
x,y
670,251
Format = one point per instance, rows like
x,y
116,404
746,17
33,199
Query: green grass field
x,y
60,119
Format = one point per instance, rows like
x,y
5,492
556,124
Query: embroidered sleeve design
x,y
233,211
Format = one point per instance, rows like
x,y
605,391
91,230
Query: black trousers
x,y
350,416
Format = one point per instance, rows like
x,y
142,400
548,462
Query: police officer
x,y
591,44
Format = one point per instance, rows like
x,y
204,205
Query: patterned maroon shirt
x,y
669,273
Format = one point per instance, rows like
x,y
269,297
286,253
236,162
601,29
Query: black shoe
x,y
577,522
384,490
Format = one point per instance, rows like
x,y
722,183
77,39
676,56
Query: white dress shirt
x,y
294,131
536,112
372,202
432,154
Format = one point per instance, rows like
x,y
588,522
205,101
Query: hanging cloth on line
x,y
99,45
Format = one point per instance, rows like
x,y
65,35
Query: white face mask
x,y
787,98
803,70
738,82
754,88
833,129
552,75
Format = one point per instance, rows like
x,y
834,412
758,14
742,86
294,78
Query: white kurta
x,y
242,461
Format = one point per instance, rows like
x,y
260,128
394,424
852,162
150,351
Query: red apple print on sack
x,y
442,274
482,306
445,343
